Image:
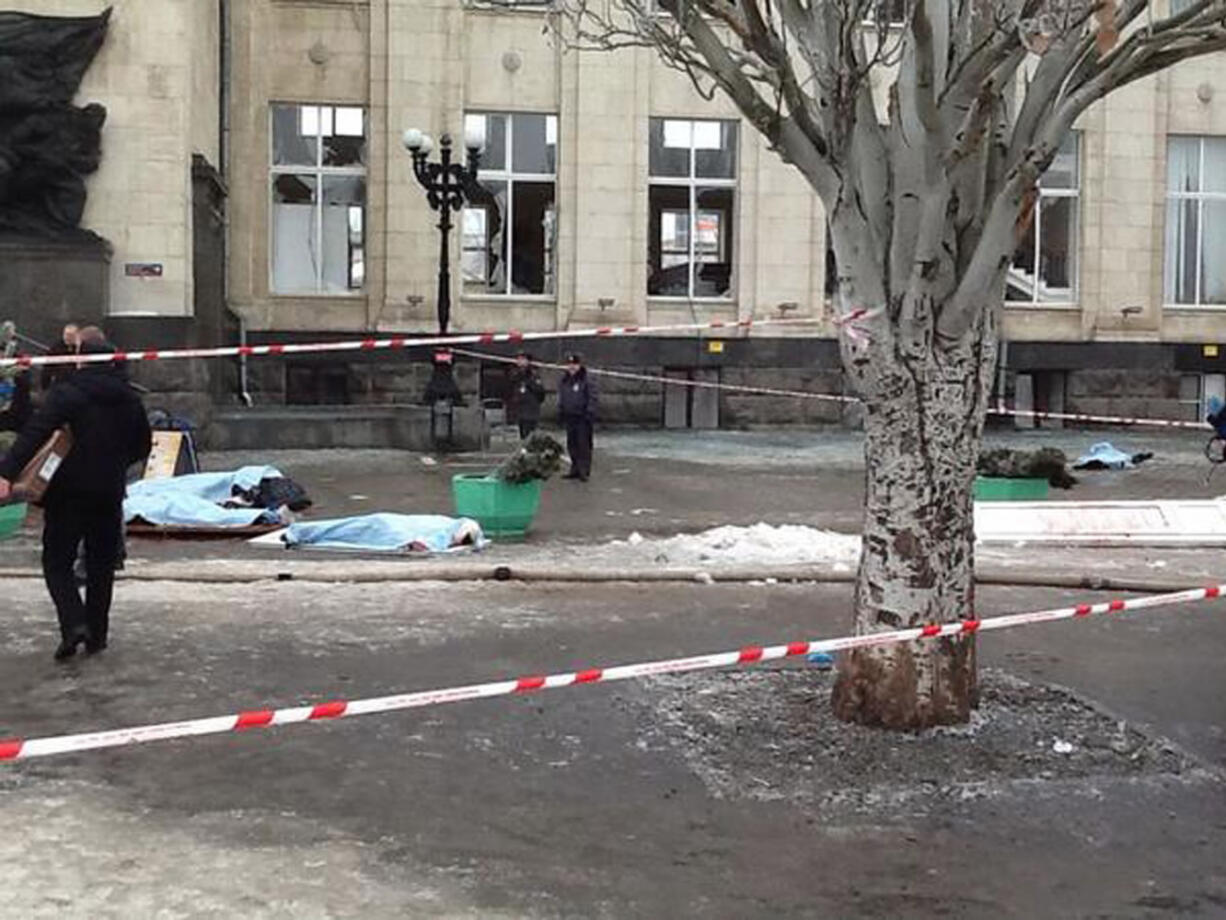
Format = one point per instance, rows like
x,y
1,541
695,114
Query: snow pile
x,y
759,543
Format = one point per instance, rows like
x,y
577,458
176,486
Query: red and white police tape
x,y
396,342
1102,419
670,381
835,397
847,323
14,750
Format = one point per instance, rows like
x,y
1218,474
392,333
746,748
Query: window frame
x,y
1199,404
693,182
508,176
1048,193
1200,197
317,172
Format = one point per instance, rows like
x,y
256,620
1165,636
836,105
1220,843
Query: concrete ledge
x,y
400,427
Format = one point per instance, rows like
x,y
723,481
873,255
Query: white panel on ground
x,y
1137,523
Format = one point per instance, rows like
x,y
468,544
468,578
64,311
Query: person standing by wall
x,y
85,499
577,400
527,394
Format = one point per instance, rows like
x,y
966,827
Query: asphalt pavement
x,y
592,801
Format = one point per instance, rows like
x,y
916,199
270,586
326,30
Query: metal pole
x,y
444,226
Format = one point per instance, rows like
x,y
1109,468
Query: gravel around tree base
x,y
769,735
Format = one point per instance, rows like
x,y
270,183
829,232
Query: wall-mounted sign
x,y
715,348
1210,351
142,269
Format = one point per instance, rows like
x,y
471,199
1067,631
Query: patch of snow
x,y
759,543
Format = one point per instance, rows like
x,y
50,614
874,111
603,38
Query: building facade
x,y
253,155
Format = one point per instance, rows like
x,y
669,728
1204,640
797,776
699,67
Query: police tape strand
x,y
671,381
16,750
394,342
834,397
514,337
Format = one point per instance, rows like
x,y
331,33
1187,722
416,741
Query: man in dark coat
x,y
527,394
85,499
577,412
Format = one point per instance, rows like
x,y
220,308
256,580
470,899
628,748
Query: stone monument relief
x,y
48,145
52,270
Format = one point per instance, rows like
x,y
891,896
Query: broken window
x,y
1044,268
318,181
509,223
691,197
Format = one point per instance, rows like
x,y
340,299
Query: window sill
x,y
1194,307
533,299
317,295
1061,305
664,300
503,9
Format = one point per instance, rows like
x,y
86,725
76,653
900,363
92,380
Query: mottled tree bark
x,y
922,435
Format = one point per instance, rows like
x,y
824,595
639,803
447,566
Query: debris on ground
x,y
1045,463
769,734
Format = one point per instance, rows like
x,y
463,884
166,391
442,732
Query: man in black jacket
x,y
527,394
577,412
85,499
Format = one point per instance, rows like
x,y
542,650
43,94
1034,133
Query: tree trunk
x,y
923,428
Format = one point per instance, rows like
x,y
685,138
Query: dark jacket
x,y
527,394
55,373
15,417
441,387
109,429
577,397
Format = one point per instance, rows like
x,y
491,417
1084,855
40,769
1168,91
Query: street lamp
x,y
446,186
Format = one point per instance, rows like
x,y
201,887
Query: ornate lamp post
x,y
446,184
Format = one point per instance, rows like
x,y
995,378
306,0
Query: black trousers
x,y
67,521
579,446
527,426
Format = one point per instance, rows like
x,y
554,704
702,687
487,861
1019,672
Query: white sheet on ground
x,y
195,501
382,533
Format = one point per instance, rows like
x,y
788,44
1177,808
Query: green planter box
x,y
502,509
1000,489
11,519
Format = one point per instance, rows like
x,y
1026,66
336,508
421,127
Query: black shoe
x,y
94,646
68,647
582,478
572,475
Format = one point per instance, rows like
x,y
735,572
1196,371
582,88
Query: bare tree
x,y
925,201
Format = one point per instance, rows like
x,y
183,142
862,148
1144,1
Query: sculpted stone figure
x,y
48,145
